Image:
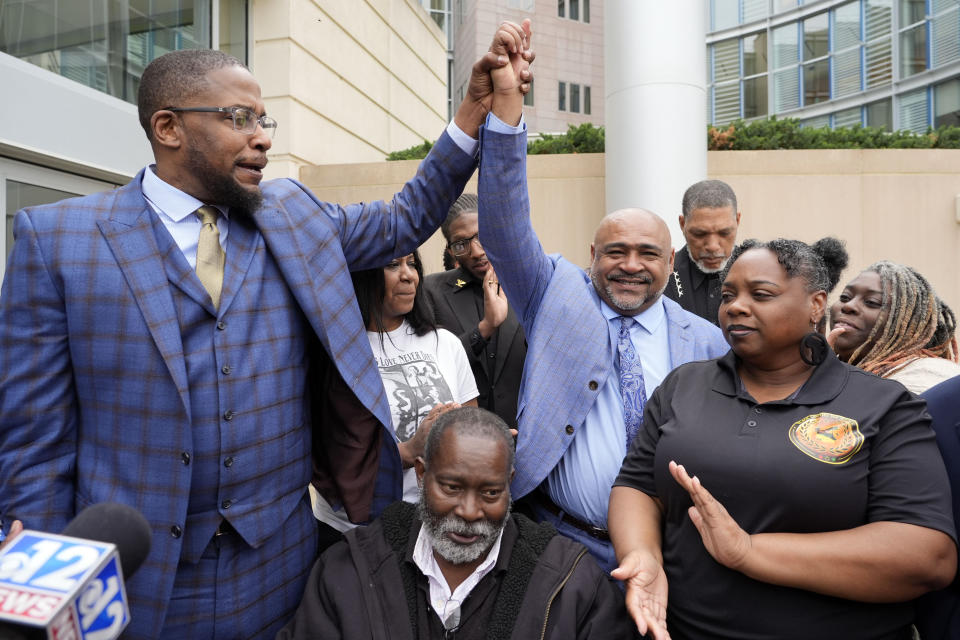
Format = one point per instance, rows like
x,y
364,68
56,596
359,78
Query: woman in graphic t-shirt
x,y
424,368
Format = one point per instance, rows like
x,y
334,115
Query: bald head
x,y
631,258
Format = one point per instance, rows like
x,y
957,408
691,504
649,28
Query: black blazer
x,y
457,304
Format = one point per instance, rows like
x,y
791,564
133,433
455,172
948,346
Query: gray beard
x,y
437,527
711,271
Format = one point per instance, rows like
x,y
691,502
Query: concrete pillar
x,y
656,104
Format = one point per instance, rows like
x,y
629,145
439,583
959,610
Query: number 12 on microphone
x,y
68,587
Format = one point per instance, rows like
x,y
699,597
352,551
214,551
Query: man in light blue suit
x,y
160,346
571,415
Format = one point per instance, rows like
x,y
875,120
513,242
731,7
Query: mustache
x,y
642,276
712,256
452,523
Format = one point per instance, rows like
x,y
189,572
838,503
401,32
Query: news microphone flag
x,y
67,588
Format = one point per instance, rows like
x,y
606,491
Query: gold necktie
x,y
210,256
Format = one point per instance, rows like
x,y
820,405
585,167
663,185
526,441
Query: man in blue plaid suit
x,y
572,413
129,376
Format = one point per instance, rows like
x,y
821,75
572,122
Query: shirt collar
x,y
825,383
650,319
169,200
424,559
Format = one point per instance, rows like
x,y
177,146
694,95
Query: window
x,y
106,45
562,96
574,98
879,114
576,92
913,111
586,101
946,104
726,14
878,53
577,10
528,99
913,50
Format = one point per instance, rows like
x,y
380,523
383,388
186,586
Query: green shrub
x,y
583,139
417,152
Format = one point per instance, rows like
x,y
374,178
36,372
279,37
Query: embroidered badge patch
x,y
827,437
460,283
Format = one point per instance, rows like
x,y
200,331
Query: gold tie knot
x,y
208,215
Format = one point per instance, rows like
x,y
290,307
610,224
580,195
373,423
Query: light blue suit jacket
x,y
568,344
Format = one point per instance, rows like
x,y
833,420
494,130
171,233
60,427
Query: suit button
x,y
226,369
221,325
593,385
751,423
569,429
228,415
185,458
226,504
228,462
176,531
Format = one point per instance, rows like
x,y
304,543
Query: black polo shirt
x,y
847,449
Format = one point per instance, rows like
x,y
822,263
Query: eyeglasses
x,y
460,247
244,120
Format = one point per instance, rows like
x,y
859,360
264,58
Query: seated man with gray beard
x,y
459,564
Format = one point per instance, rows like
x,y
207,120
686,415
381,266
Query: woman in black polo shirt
x,y
812,501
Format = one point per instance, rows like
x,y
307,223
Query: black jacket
x,y
692,289
457,301
365,587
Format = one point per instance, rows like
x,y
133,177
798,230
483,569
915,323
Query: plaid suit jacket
x,y
568,344
94,404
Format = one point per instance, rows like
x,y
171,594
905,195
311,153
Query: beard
x,y
222,188
709,270
437,527
626,304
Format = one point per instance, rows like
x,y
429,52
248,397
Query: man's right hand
x,y
646,597
495,306
510,51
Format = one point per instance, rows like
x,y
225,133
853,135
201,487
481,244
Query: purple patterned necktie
x,y
631,381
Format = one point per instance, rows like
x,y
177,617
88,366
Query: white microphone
x,y
70,586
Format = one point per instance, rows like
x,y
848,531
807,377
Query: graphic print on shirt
x,y
827,437
414,385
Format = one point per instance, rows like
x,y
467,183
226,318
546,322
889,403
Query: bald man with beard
x,y
598,341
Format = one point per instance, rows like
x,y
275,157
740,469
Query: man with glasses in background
x,y
161,346
468,302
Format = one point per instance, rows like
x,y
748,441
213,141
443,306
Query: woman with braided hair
x,y
889,321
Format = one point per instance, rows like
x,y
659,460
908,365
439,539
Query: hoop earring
x,y
816,346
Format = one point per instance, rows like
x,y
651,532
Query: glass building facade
x,y
888,63
107,44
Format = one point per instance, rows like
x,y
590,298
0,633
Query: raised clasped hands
x,y
504,72
646,592
722,536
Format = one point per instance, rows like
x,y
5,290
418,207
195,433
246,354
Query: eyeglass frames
x,y
244,120
460,247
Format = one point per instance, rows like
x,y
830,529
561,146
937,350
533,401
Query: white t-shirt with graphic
x,y
418,372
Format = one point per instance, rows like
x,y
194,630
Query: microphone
x,y
69,586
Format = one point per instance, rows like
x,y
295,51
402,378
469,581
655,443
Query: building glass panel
x,y
754,10
879,18
586,101
913,111
574,98
943,5
880,114
561,96
913,50
846,26
726,14
785,41
726,103
106,45
755,54
20,195
846,73
816,82
912,11
786,90
783,5
586,10
755,97
818,122
726,60
847,118
879,63
946,38
816,36
574,13
946,103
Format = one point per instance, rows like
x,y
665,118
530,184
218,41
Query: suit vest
x,y
247,374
